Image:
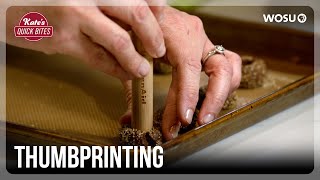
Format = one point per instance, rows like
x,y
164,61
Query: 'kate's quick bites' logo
x,y
33,26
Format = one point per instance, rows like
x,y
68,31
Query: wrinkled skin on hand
x,y
98,35
186,44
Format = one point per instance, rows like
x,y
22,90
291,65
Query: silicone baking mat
x,y
61,95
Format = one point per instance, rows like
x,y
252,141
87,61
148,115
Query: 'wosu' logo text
x,y
284,18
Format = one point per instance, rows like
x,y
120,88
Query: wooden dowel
x,y
142,94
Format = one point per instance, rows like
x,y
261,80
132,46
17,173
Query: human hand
x,y
187,44
98,34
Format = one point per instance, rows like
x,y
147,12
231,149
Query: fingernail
x,y
174,130
161,50
208,118
144,68
189,115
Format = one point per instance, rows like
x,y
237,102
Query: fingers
x,y
236,63
117,41
185,42
95,56
157,7
170,123
188,75
182,98
140,17
183,93
220,73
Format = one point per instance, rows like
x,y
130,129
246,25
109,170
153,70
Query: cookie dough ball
x,y
231,102
161,68
254,71
135,137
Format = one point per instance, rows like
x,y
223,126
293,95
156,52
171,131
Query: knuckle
x,y
184,14
62,42
62,37
140,12
197,22
224,69
218,100
191,94
72,9
121,41
235,57
194,66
